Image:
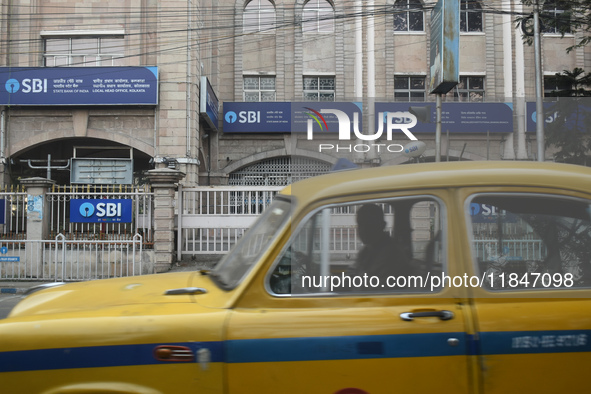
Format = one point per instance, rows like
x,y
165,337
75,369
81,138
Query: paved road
x,y
7,302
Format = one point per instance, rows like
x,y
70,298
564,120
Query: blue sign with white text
x,y
455,117
484,213
78,85
287,117
100,211
209,104
565,114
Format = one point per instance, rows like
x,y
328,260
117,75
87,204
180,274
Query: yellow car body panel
x,y
110,335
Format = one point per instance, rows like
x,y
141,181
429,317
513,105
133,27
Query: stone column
x,y
37,207
38,217
164,183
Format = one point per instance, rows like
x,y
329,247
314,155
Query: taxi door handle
x,y
443,315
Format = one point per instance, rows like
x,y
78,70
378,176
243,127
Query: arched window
x,y
408,16
318,17
555,19
278,171
470,16
259,16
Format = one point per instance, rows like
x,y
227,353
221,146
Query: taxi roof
x,y
442,174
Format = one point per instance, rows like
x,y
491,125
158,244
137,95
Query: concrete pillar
x,y
37,207
164,184
38,217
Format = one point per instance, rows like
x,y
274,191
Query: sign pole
x,y
539,104
438,128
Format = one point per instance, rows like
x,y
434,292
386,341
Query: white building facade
x,y
371,53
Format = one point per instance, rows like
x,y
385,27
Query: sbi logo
x,y
27,85
485,210
243,117
102,209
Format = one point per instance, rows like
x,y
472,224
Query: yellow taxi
x,y
466,277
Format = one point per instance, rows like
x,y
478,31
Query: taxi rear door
x,y
291,336
533,311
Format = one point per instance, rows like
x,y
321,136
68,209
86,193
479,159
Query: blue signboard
x,y
571,113
456,117
209,104
100,211
287,117
445,43
485,213
78,85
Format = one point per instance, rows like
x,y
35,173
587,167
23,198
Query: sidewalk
x,y
20,286
17,287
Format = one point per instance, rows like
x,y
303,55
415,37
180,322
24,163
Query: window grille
x,y
84,51
259,16
408,88
470,89
554,86
279,171
408,16
318,17
555,18
259,88
319,88
470,16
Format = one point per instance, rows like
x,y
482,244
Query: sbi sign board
x,y
78,85
100,211
288,117
485,213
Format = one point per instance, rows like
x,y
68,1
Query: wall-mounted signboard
x,y
287,117
208,104
456,117
78,85
566,113
282,117
101,171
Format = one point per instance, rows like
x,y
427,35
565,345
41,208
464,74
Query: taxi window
x,y
384,246
230,271
531,241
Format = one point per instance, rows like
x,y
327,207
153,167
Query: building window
x,y
259,88
259,16
84,51
409,88
555,19
470,89
318,17
470,16
278,171
555,86
408,16
319,88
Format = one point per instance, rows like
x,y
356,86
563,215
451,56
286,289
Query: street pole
x,y
438,129
539,94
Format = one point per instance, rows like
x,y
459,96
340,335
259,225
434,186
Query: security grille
x,y
278,171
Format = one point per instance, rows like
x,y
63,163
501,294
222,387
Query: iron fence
x,y
64,259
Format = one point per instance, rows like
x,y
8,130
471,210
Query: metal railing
x,y
213,218
15,212
511,249
62,259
